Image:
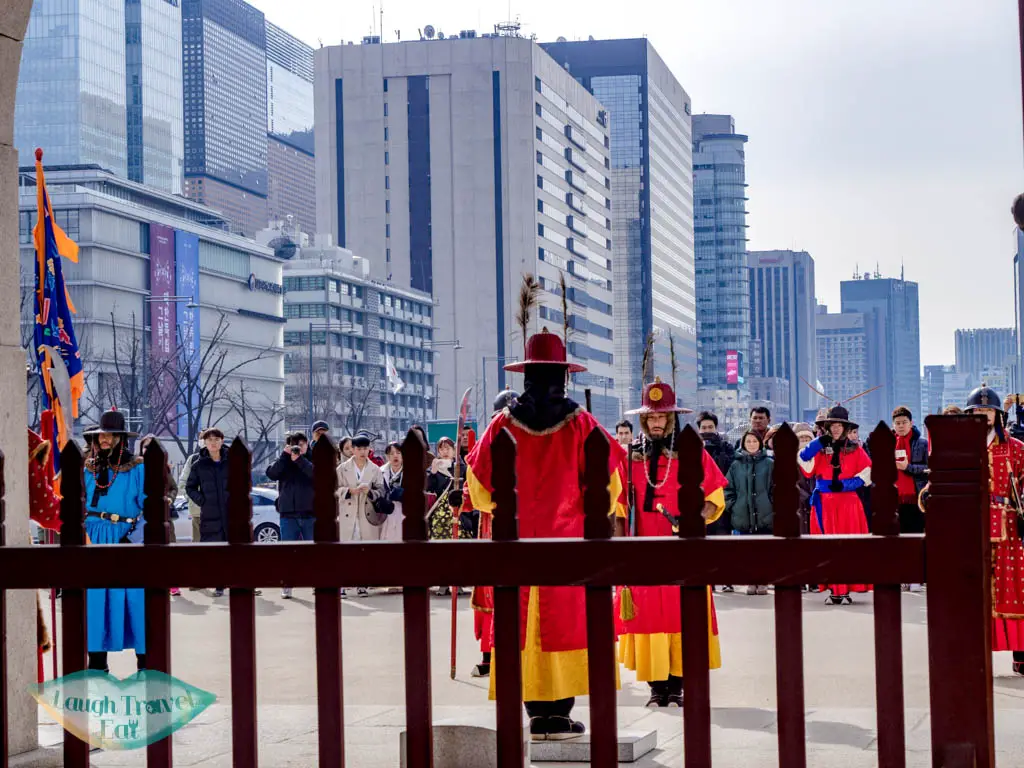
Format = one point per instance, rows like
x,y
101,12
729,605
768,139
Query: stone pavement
x,y
839,674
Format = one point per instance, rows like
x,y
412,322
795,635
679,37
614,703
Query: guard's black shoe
x,y
1018,667
657,700
675,700
555,728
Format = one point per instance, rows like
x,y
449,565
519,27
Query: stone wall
x,y
21,624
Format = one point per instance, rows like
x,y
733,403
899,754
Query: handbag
x,y
378,510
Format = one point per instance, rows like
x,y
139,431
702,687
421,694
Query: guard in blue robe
x,y
114,496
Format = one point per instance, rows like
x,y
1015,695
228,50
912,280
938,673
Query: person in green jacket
x,y
748,496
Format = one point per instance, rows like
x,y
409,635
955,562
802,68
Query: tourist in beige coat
x,y
359,482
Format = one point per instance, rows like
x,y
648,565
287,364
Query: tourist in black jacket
x,y
293,472
723,454
207,486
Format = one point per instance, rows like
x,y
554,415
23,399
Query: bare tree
x,y
355,404
261,420
196,388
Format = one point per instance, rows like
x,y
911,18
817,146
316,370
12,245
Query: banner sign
x,y
186,257
732,366
163,341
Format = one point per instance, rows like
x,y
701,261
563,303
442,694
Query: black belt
x,y
112,517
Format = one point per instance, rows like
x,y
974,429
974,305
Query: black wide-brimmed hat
x,y
112,423
839,415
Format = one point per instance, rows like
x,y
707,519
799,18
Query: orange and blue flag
x,y
56,348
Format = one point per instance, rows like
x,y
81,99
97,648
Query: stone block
x,y
632,746
10,62
467,742
13,20
10,268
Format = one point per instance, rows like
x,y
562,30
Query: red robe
x,y
1006,457
550,468
837,512
651,642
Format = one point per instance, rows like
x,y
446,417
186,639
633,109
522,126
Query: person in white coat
x,y
360,482
392,472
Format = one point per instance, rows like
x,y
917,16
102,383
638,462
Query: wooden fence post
x,y
600,617
508,680
419,720
327,601
959,577
74,619
242,602
885,521
156,533
789,627
694,607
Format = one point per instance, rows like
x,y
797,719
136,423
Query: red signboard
x,y
732,366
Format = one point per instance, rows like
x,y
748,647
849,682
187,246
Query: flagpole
x,y
387,383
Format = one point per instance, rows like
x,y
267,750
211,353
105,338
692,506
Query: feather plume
x,y
647,362
565,307
865,392
672,357
817,391
529,293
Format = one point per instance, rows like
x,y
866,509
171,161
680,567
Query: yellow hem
x,y
548,675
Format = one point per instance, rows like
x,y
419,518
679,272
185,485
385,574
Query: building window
x,y
387,230
540,158
540,181
387,206
387,182
387,134
540,206
387,157
536,84
540,230
385,109
387,254
538,110
540,134
385,85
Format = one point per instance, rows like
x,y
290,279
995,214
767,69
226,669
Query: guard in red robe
x,y
649,622
839,467
1006,472
483,597
550,431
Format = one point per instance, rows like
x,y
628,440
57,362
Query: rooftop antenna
x,y
901,268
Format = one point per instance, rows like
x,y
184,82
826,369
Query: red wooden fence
x,y
953,559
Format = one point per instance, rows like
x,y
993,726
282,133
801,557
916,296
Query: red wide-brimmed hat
x,y
658,398
545,348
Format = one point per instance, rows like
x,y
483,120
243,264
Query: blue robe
x,y
116,617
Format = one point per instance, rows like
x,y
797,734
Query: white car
x,y
266,522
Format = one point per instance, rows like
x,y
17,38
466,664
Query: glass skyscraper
x,y
652,204
100,83
720,231
224,58
893,306
291,183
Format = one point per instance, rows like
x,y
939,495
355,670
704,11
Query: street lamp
x,y
327,328
190,303
456,345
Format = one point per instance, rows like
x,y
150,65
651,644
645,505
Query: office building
x,y
290,168
956,388
224,59
454,166
847,365
135,245
782,323
338,314
100,83
652,204
773,393
720,245
892,305
980,348
932,385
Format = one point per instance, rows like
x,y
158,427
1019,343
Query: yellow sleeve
x,y
478,493
716,497
615,494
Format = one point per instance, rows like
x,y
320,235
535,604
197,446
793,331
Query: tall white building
x,y
454,167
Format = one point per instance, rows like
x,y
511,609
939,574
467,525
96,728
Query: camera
x,y
295,450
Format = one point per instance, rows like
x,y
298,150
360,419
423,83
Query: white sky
x,y
881,131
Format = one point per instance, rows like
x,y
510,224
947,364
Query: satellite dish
x,y
440,35
561,40
591,38
429,31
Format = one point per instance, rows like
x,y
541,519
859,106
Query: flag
x,y
394,382
56,348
